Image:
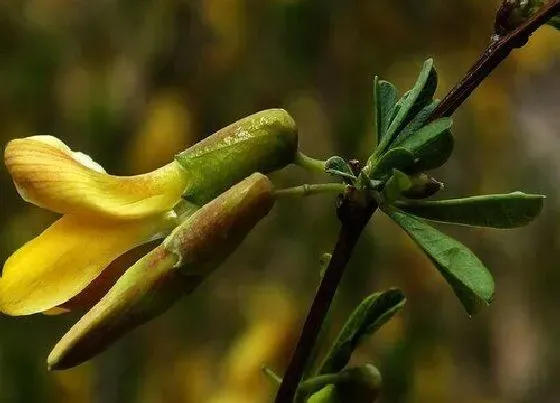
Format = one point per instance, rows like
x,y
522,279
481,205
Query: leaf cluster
x,y
409,143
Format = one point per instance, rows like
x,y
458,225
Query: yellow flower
x,y
103,253
104,217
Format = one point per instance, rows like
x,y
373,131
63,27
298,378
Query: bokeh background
x,y
133,82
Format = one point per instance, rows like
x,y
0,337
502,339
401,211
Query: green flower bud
x,y
175,268
263,142
422,186
355,385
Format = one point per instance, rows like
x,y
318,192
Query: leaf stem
x,y
313,189
309,163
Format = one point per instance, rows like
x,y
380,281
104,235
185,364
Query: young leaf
x,y
411,103
416,123
432,145
494,211
470,279
337,166
396,158
369,316
385,100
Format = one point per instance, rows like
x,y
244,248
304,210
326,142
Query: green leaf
x,y
369,316
385,95
470,279
411,103
339,167
416,123
494,211
432,145
396,158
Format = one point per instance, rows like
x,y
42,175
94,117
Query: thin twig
x,y
497,52
355,214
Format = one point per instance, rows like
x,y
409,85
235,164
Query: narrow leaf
x,y
412,102
416,123
432,145
397,158
386,99
494,211
369,316
470,279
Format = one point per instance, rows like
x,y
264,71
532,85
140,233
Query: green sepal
x,y
263,142
495,211
372,313
469,278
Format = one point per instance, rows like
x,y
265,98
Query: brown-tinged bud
x,y
513,13
263,142
422,186
175,268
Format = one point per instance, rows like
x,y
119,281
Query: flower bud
x,y
356,385
263,142
176,267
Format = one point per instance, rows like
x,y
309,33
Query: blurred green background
x,y
133,82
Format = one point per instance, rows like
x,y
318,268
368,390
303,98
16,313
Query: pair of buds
x,y
175,268
203,204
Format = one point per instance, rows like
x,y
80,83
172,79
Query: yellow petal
x,y
47,173
95,290
57,265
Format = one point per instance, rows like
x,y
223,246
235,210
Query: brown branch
x,y
354,215
497,52
356,212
